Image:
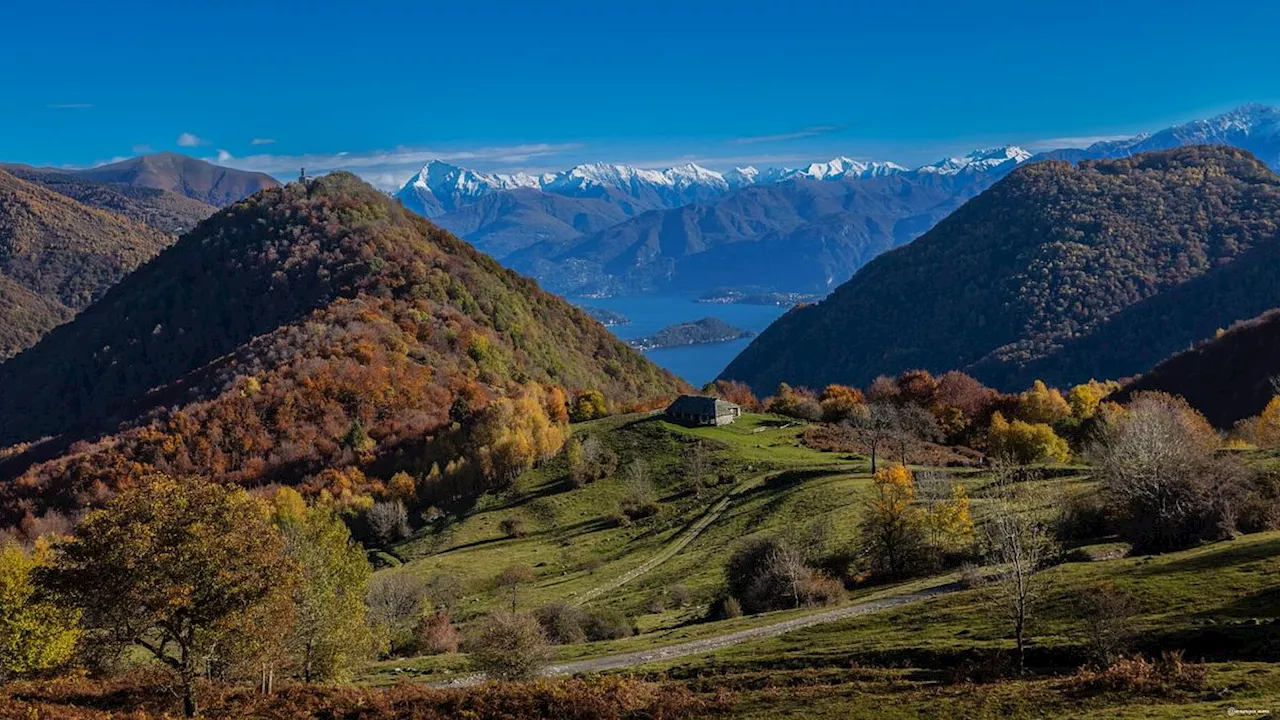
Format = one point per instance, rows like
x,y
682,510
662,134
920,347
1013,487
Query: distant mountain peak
x,y
982,160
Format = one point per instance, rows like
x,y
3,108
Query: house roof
x,y
703,405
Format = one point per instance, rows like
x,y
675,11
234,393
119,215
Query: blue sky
x,y
381,86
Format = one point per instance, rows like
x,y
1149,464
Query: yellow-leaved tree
x,y
1268,433
892,527
1025,443
1085,398
36,633
1042,404
948,521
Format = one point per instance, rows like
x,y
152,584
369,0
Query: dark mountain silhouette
x,y
1228,378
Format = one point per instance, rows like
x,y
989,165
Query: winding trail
x,y
718,642
682,541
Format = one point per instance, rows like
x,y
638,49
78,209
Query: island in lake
x,y
607,318
739,297
706,330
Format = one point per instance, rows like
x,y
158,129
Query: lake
x,y
698,364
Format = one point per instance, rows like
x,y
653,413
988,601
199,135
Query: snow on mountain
x,y
741,177
441,187
1253,127
978,161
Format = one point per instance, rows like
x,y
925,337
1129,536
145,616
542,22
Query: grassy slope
x,y
572,542
1220,601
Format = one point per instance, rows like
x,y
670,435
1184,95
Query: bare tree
x,y
639,481
1159,466
396,598
697,464
913,424
787,565
1019,543
389,521
511,579
874,425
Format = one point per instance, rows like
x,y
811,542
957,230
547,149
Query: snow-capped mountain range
x,y
606,228
440,187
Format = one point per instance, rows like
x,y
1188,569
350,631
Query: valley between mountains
x,y
995,436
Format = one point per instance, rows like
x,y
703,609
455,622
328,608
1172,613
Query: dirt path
x,y
681,542
711,644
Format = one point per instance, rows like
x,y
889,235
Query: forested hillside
x,y
1229,378
317,334
57,256
162,210
1018,281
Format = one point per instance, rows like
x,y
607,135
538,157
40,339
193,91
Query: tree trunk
x,y
873,457
1018,627
189,708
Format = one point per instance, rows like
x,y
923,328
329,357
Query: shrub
x,y
1107,615
655,606
725,608
509,646
563,623
607,625
435,634
512,527
680,596
768,574
971,576
1170,676
1084,516
444,589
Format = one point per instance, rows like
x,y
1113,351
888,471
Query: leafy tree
x,y
1268,428
794,402
36,633
510,646
1042,405
838,402
1085,398
435,634
892,524
947,520
331,633
1025,443
176,567
588,405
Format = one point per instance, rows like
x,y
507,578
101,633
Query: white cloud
x,y
187,139
224,157
262,141
808,132
142,149
1082,141
69,106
